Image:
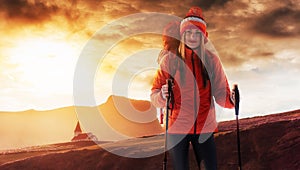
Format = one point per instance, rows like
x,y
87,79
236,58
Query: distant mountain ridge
x,y
33,127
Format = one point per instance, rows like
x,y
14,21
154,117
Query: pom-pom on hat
x,y
193,18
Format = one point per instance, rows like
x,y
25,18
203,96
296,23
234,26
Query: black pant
x,y
204,150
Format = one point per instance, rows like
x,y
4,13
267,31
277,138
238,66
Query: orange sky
x,y
41,42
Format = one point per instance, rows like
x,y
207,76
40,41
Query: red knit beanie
x,y
193,19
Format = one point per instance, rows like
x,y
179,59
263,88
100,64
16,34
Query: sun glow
x,y
46,64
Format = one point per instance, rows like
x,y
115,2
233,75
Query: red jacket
x,y
193,109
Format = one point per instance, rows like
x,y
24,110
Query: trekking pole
x,y
169,82
236,106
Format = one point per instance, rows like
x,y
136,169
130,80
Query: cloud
x,y
281,22
27,12
117,9
210,4
29,15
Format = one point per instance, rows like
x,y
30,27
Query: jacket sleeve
x,y
220,87
159,80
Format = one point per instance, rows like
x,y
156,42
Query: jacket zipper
x,y
195,94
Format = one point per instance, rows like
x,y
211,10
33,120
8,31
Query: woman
x,y
199,79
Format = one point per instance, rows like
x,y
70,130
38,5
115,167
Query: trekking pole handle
x,y
236,98
170,84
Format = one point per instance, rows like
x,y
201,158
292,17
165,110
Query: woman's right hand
x,y
164,91
164,88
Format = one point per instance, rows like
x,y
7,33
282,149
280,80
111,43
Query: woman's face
x,y
193,38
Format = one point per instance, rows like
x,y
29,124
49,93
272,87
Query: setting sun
x,y
45,63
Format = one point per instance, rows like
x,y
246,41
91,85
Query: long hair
x,y
200,52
